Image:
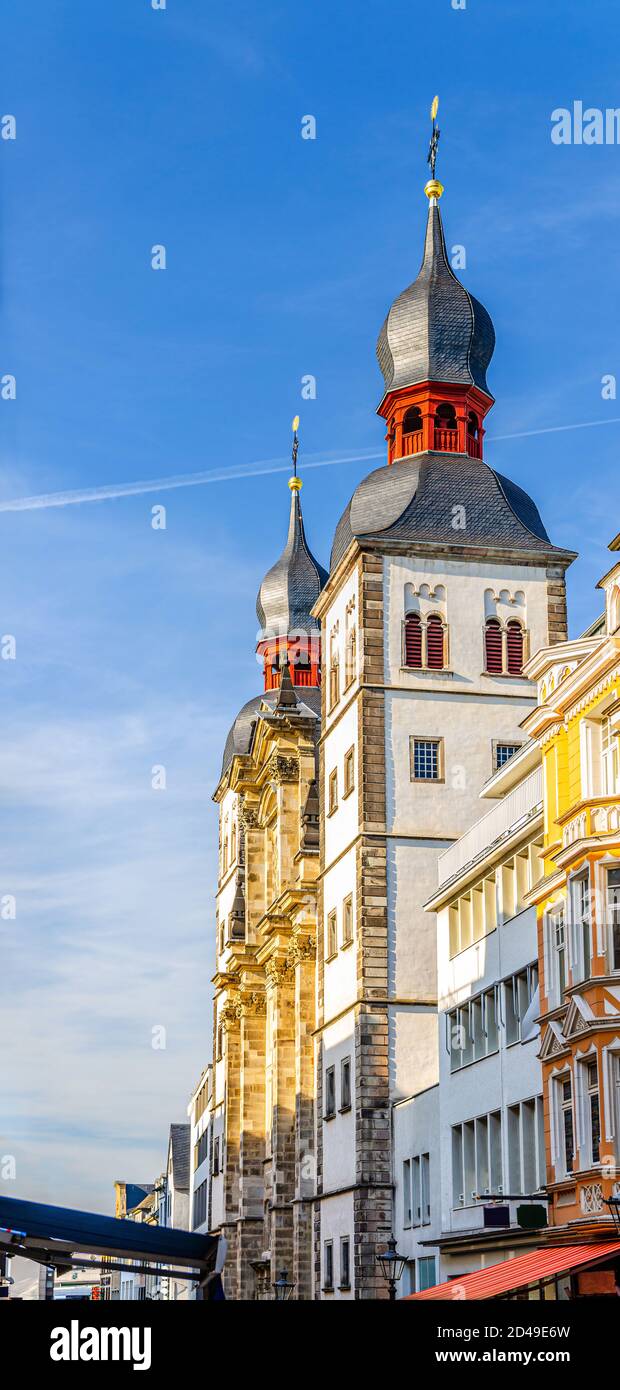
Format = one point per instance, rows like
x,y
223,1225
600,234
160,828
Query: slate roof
x,y
414,501
240,735
292,586
436,330
180,1143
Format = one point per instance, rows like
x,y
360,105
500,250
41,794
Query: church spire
x,y
288,632
434,350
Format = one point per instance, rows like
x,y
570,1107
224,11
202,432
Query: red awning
x,y
525,1269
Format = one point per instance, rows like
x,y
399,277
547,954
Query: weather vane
x,y
295,482
432,149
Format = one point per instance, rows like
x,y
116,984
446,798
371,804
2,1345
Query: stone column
x,y
302,958
281,1007
230,1157
251,1140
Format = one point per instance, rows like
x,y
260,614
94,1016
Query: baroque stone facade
x,y
390,685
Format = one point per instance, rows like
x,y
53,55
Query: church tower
x,y
261,1129
442,579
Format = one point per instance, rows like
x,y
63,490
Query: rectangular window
x,y
347,921
332,934
330,1093
556,937
407,1192
333,792
476,1159
426,759
328,1265
473,1030
566,1120
581,928
519,991
609,758
594,1114
216,1157
349,772
613,916
199,1205
425,1188
345,1084
416,1192
334,669
502,752
345,1262
427,1277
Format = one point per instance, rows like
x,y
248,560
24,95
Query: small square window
x,y
426,759
332,934
349,772
345,1084
333,792
347,921
502,753
330,1093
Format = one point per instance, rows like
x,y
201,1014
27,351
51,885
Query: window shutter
x,y
434,643
493,647
514,643
413,640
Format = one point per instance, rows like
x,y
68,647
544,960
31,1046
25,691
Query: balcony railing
x,y
447,440
412,443
516,808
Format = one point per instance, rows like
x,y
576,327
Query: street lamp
x,y
614,1210
282,1288
391,1265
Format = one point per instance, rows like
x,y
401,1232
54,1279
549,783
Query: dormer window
x,y
425,642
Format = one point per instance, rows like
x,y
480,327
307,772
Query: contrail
x,y
245,470
209,475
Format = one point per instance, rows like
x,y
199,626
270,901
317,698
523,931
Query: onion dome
x,y
292,586
436,330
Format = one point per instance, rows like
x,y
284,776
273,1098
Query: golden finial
x,y
295,483
434,188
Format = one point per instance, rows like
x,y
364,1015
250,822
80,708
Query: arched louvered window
x,y
413,640
413,420
434,643
514,646
493,647
472,424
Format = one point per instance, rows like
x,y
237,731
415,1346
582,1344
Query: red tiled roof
x,y
525,1269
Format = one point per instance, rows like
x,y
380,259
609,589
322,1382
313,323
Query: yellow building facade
x,y
577,726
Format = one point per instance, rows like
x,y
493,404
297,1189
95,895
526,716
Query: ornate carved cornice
x,y
283,769
278,970
302,948
249,816
252,1003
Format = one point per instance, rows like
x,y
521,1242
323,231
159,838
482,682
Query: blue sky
x,y
135,647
